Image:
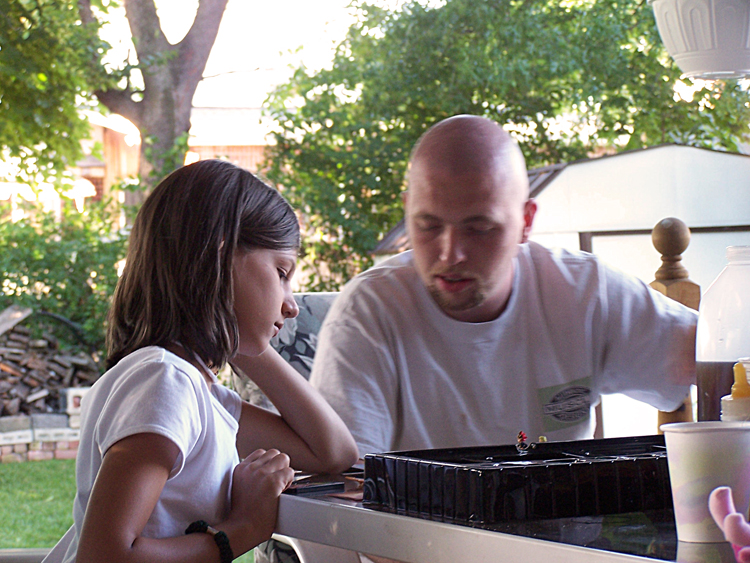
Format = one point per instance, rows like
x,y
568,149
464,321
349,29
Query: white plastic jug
x,y
723,331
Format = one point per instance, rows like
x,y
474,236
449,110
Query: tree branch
x,y
148,38
196,46
116,101
122,103
84,10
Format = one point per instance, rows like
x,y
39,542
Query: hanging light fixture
x,y
708,39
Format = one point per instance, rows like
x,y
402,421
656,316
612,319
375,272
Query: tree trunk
x,y
171,74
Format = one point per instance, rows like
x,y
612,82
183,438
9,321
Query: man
x,y
477,334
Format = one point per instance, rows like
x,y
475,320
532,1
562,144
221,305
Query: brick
x,y
62,445
48,446
46,420
40,455
73,397
73,444
65,454
16,437
34,446
12,458
15,423
56,434
6,449
21,448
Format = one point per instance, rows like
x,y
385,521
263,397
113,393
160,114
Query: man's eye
x,y
282,274
479,229
428,226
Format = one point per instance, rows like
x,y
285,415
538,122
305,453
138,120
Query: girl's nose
x,y
289,308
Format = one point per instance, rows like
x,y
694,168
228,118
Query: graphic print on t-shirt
x,y
566,405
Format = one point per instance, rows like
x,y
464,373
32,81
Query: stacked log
x,y
34,372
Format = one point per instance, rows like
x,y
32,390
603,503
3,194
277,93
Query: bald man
x,y
476,333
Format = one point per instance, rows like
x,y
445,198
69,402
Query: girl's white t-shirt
x,y
155,391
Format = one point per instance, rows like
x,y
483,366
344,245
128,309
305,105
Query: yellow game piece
x,y
740,388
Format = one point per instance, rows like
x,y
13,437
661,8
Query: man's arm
x,y
650,344
355,373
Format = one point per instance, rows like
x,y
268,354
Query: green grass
x,y
36,503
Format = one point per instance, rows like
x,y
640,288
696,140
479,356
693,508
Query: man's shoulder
x,y
391,284
395,271
550,261
539,252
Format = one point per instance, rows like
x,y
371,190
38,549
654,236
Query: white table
x,y
348,525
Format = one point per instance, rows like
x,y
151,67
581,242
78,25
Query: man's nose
x,y
289,308
451,247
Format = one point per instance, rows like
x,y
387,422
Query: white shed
x,y
609,205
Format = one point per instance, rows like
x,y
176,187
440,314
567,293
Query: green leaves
x,y
68,267
568,79
48,65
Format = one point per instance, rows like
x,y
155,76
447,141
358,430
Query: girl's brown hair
x,y
177,281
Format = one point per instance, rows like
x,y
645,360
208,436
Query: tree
x,y
51,65
47,64
567,79
171,73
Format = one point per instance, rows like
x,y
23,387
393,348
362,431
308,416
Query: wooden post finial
x,y
671,238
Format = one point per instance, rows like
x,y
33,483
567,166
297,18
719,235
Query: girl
x,y
207,279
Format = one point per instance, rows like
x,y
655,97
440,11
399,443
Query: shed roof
x,y
631,189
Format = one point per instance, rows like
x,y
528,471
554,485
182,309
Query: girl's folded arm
x,y
308,430
127,488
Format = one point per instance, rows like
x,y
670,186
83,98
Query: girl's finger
x,y
255,455
720,505
736,529
279,461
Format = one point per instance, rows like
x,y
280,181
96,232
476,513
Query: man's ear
x,y
529,210
405,201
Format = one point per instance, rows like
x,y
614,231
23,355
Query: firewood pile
x,y
34,371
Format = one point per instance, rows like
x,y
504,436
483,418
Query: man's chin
x,y
455,303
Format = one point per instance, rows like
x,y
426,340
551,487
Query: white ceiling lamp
x,y
708,39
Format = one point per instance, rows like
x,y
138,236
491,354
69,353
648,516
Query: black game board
x,y
482,486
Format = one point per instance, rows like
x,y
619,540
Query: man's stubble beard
x,y
475,297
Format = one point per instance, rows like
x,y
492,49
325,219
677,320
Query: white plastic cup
x,y
691,552
702,456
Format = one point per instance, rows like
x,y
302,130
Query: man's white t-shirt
x,y
404,375
155,391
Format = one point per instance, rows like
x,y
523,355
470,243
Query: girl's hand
x,y
734,525
258,481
